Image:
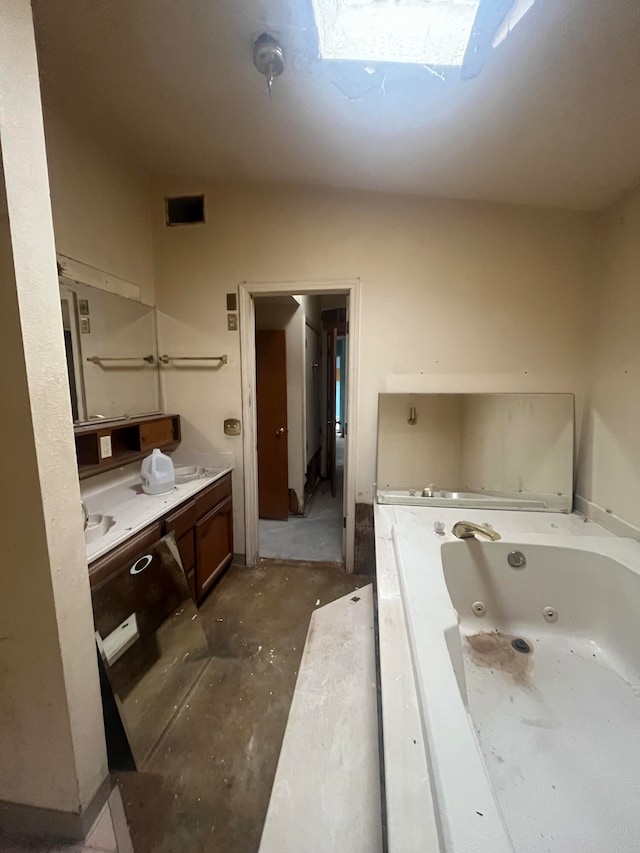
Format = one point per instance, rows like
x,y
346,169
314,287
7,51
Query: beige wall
x,y
455,295
609,464
428,451
101,212
52,750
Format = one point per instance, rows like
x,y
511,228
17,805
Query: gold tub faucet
x,y
467,530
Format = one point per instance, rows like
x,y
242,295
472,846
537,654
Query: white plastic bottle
x,y
157,473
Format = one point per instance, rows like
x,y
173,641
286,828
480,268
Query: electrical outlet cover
x,y
105,447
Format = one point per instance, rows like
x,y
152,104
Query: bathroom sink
x,y
97,527
186,473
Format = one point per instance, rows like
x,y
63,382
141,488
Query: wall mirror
x,y
504,451
112,356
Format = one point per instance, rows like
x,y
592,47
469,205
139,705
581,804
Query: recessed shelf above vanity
x,y
103,445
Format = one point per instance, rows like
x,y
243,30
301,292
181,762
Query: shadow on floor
x,y
207,786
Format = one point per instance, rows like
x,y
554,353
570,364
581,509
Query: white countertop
x,y
119,494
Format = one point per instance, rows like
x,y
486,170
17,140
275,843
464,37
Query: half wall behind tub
x,y
462,449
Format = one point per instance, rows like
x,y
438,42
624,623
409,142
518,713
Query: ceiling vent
x,y
185,209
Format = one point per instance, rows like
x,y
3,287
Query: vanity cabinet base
x,y
203,529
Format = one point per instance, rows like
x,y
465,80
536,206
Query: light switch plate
x,y
85,325
232,322
232,426
105,447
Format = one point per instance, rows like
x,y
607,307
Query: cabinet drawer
x,y
156,433
114,560
182,520
213,495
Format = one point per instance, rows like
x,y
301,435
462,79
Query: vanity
x,y
152,559
199,514
113,368
123,521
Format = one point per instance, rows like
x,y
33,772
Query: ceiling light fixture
x,y
268,57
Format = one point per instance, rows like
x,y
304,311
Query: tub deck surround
x,y
119,494
410,813
492,788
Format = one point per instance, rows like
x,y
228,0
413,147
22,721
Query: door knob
x,y
280,431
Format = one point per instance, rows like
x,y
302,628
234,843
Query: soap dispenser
x,y
157,473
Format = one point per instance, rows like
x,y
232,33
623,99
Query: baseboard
x,y
605,518
20,822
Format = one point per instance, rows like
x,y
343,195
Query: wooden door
x,y
214,546
271,409
332,349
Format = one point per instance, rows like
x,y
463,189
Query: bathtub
x,y
528,683
461,499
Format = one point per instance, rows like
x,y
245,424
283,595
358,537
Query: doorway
x,y
314,428
300,468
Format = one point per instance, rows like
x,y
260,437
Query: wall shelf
x,y
131,439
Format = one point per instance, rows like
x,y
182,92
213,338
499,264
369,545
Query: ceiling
x,y
553,119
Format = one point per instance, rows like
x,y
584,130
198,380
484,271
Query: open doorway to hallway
x,y
301,348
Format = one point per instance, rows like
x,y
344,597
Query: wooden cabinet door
x,y
214,545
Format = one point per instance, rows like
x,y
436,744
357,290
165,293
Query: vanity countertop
x,y
120,495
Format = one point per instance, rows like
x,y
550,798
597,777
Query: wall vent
x,y
185,209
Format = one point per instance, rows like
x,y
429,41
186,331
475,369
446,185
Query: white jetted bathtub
x,y
528,678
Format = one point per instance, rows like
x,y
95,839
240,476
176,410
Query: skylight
x,y
425,32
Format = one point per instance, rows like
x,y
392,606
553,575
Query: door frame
x,y
246,308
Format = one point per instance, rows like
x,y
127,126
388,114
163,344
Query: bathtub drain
x,y
521,645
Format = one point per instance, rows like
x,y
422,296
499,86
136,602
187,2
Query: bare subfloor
x,y
207,786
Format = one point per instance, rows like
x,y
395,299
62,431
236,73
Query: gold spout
x,y
467,530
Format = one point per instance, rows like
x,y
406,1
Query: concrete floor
x,y
317,535
207,786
